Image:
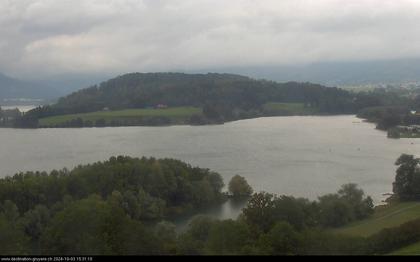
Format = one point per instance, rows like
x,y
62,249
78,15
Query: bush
x,y
239,187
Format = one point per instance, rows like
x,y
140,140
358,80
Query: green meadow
x,y
384,217
174,113
289,109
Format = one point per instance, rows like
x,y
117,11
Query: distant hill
x,y
15,91
11,88
337,73
142,90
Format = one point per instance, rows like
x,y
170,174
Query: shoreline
x,y
215,123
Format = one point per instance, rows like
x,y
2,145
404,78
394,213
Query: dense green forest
x,y
97,208
121,207
139,90
222,97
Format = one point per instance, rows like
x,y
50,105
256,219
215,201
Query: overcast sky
x,y
49,37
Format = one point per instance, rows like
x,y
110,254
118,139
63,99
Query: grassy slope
x,y
384,217
174,113
409,250
289,109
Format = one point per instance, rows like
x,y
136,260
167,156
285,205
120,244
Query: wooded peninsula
x,y
158,99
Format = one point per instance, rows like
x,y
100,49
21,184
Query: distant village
x,y
408,131
411,128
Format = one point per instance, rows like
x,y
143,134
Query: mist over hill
x,y
336,73
330,74
11,88
18,91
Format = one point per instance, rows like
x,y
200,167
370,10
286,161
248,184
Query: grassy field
x,y
175,113
409,135
289,109
409,250
384,217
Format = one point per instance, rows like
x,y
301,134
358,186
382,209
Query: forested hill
x,y
221,97
139,90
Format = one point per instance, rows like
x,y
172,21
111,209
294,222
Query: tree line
x,y
121,207
391,109
223,97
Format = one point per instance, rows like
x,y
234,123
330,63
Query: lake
x,y
302,156
21,108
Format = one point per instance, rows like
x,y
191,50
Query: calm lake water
x,y
301,156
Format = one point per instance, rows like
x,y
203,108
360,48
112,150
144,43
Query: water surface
x,y
301,156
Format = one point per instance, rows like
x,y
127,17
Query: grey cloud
x,y
47,37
